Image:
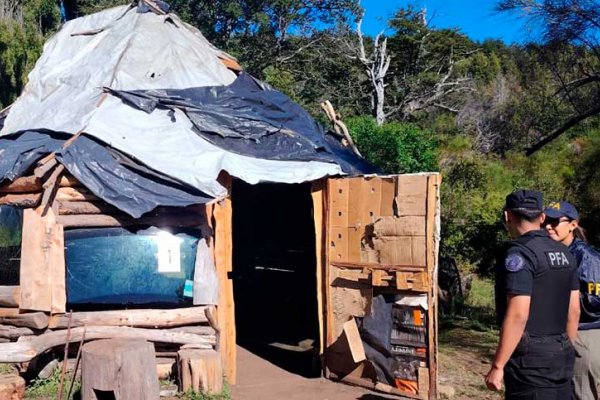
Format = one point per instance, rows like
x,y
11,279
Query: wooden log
x,y
27,200
12,387
85,207
44,166
26,184
124,367
8,312
164,367
101,220
75,194
9,296
37,320
201,371
137,318
13,333
28,347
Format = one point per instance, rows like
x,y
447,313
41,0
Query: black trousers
x,y
541,368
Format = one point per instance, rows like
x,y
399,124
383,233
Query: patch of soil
x,y
464,358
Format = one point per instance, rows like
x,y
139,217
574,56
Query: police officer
x,y
537,304
562,224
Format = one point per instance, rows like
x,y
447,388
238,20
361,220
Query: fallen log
x,y
28,347
27,200
9,296
36,320
137,318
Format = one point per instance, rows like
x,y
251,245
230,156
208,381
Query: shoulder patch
x,y
514,262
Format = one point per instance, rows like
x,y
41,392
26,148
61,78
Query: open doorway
x,y
274,272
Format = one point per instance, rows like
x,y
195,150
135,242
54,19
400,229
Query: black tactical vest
x,y
554,267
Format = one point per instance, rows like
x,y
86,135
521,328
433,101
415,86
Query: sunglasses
x,y
554,222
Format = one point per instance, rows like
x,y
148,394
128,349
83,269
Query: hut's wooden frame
x,y
56,201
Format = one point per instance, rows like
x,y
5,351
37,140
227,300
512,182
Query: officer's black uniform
x,y
541,367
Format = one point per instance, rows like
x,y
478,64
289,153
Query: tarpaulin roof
x,y
154,89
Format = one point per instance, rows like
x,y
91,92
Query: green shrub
x,y
395,147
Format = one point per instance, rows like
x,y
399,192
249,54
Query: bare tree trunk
x,y
376,67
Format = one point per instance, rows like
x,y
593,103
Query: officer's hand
x,y
494,378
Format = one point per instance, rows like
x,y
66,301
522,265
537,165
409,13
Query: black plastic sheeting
x,y
384,333
18,153
109,174
251,118
130,191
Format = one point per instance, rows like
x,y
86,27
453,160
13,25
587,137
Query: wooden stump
x,y
124,367
201,371
12,387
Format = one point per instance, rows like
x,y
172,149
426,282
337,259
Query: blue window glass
x,y
119,267
11,224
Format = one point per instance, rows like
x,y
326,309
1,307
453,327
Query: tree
x,y
568,27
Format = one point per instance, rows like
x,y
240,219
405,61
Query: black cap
x,y
527,202
559,209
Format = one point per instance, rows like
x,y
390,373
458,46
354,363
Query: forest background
x,y
415,98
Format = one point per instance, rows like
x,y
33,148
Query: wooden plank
x,y
386,267
44,166
223,214
335,195
27,200
318,200
58,270
9,296
376,277
36,255
354,341
29,347
412,195
36,320
142,318
433,183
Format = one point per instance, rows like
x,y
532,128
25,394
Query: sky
x,y
475,18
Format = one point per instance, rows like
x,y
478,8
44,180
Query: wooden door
x,y
379,252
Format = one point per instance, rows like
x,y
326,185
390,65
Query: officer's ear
x,y
542,219
506,217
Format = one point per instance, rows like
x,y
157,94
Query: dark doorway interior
x,y
274,272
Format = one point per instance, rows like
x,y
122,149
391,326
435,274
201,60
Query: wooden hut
x,y
280,236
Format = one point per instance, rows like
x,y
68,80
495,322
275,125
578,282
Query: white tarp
x,y
139,52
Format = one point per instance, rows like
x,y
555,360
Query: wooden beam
x,y
26,200
433,182
137,318
375,266
28,347
44,167
9,296
318,201
223,214
100,220
37,320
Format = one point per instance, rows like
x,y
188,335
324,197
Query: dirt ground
x,y
465,356
258,379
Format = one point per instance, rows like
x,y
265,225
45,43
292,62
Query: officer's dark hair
x,y
580,234
525,214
